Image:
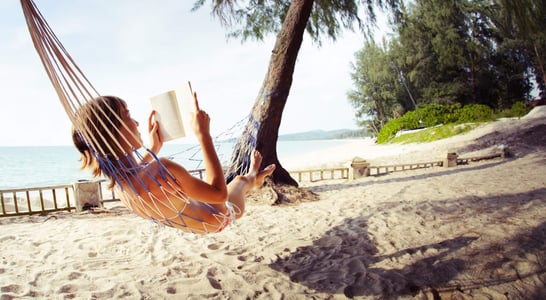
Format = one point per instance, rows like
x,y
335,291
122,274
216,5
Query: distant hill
x,y
324,135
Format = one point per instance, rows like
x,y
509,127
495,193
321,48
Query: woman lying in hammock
x,y
158,188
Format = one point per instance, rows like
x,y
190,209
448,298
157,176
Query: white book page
x,y
167,114
184,94
173,112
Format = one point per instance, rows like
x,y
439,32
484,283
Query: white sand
x,y
476,231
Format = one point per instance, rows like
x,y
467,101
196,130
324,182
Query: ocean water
x,y
23,167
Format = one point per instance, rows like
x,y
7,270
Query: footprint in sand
x,y
242,258
12,288
7,238
74,275
213,247
211,273
67,289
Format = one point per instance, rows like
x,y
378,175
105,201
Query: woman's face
x,y
130,131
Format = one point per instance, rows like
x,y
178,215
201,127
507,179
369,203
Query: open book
x,y
173,111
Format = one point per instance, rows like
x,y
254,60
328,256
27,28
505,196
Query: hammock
x,y
76,93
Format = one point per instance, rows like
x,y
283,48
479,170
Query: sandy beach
x,y
475,231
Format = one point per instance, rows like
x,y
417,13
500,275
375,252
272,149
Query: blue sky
x,y
136,49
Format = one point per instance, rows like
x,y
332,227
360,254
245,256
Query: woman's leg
x,y
239,187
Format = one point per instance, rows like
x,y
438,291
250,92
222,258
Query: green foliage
x,y
434,133
256,19
445,53
389,130
376,83
435,114
474,113
519,109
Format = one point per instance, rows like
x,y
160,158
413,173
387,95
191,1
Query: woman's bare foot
x,y
259,176
263,174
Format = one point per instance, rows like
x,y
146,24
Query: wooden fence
x,y
347,172
47,199
41,200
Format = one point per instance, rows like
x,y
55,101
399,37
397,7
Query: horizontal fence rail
x,y
320,174
41,200
46,199
381,170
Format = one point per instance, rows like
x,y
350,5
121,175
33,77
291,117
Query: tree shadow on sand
x,y
342,261
522,142
345,260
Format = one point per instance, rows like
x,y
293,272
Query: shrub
x,y
519,109
389,130
474,113
435,114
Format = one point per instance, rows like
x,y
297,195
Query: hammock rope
x,y
77,94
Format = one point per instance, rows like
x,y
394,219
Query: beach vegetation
x,y
518,110
474,113
450,62
434,121
434,133
437,116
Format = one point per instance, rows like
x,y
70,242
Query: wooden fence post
x,y
87,195
451,160
503,151
359,168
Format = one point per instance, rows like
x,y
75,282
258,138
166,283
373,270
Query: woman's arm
x,y
213,167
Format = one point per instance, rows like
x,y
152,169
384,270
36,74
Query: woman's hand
x,y
200,120
153,132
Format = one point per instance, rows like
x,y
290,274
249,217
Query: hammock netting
x,y
76,93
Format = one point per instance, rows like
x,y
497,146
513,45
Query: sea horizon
x,y
39,166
